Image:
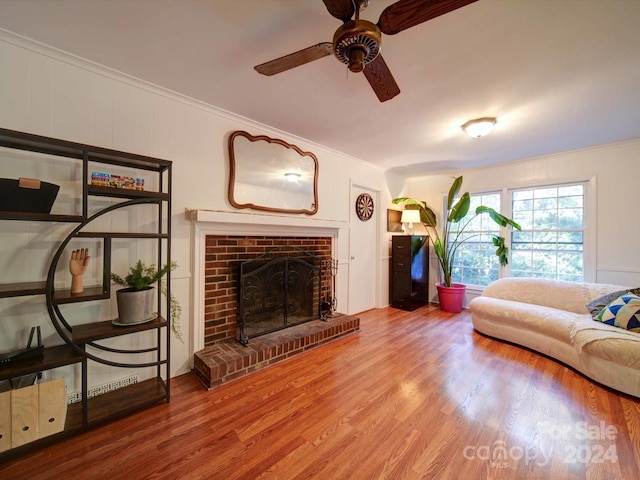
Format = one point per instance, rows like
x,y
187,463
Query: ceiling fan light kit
x,y
479,127
357,42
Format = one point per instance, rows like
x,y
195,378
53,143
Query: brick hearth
x,y
227,360
223,357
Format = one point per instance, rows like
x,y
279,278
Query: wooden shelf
x,y
124,159
106,329
39,217
37,143
126,400
53,357
74,417
21,289
64,148
121,235
117,403
110,405
101,191
59,296
72,427
89,293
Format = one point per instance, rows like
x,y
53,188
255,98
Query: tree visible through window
x,y
476,261
551,242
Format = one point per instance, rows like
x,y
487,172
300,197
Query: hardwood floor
x,y
414,395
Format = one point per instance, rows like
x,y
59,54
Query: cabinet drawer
x,y
401,263
402,304
401,288
401,249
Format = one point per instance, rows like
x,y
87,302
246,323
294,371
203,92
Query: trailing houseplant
x,y
446,243
140,281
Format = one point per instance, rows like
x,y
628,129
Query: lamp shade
x,y
410,216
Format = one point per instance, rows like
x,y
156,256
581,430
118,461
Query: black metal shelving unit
x,y
77,338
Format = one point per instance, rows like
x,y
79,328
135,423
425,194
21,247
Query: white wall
x,y
615,170
46,92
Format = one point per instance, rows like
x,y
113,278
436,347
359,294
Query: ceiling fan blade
x,y
341,9
409,13
380,79
295,59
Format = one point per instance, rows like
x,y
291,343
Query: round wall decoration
x,y
364,206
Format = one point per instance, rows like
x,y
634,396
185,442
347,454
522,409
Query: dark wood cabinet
x,y
409,271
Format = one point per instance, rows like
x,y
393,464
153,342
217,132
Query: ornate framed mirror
x,y
272,175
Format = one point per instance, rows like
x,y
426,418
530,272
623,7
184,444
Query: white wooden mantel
x,y
213,222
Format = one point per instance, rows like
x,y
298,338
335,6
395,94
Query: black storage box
x,y
27,195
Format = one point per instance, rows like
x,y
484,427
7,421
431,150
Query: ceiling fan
x,y
357,42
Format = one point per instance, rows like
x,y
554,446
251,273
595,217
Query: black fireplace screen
x,y
276,290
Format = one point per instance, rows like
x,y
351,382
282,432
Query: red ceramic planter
x,y
451,298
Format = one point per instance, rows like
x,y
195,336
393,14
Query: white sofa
x,y
551,317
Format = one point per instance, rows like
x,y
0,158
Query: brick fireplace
x,y
219,248
223,253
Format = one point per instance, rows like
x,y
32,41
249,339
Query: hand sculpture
x,y
77,266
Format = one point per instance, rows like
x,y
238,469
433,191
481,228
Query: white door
x,y
363,245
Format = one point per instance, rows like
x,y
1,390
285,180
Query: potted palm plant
x,y
446,243
135,300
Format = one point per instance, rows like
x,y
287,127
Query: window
x,y
476,262
551,243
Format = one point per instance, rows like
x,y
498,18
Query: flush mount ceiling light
x,y
479,127
292,176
